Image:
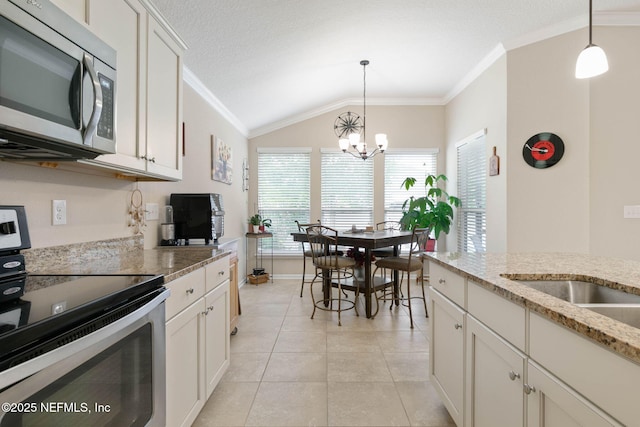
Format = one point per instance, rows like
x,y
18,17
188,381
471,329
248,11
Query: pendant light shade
x,y
592,61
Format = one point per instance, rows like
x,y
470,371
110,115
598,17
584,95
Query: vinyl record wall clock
x,y
543,150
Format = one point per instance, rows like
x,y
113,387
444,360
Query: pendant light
x,y
592,61
348,127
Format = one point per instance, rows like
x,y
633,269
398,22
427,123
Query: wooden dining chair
x,y
407,264
332,269
306,252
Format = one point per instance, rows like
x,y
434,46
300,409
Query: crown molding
x,y
197,85
271,127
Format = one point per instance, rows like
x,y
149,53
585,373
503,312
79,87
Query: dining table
x,y
368,240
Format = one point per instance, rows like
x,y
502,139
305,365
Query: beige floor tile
x,y
246,367
228,406
403,341
303,323
423,405
254,323
357,367
289,370
301,342
282,404
365,404
352,342
408,366
253,342
302,367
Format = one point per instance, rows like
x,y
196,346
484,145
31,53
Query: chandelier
x,y
348,126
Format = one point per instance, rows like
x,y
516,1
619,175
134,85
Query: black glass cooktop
x,y
56,304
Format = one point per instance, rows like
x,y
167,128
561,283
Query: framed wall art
x,y
221,161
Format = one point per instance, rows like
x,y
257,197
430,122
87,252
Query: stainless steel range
x,y
77,350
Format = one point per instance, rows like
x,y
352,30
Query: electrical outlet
x,y
151,212
59,212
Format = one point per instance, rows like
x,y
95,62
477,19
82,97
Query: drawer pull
x,y
528,389
221,273
457,326
190,291
513,376
442,281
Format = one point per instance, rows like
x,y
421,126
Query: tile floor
x,y
289,370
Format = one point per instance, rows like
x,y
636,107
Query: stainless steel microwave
x,y
57,85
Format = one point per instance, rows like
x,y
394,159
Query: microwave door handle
x,y
97,104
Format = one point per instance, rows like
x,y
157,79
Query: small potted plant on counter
x,y
434,210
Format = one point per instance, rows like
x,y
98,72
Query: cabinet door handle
x,y
442,281
221,273
206,312
210,308
190,291
528,389
513,376
457,326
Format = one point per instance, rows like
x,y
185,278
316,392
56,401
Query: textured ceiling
x,y
269,60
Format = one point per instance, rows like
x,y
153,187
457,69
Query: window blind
x,y
397,167
472,172
347,191
284,186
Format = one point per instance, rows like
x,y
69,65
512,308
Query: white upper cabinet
x,y
149,88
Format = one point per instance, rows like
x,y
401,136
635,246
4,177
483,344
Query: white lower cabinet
x,y
197,340
492,362
551,403
185,335
446,361
217,330
495,373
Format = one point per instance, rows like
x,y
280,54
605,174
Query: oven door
x,y
112,377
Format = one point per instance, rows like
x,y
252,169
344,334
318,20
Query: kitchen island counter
x,y
487,270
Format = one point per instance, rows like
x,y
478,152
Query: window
x,y
472,172
399,165
347,190
284,193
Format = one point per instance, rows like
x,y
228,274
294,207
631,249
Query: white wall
x,y
614,150
548,209
483,105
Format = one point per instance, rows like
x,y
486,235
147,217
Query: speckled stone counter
x,y
119,256
487,270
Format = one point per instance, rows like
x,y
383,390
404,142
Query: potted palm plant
x,y
434,210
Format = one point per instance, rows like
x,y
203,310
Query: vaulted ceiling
x,y
267,61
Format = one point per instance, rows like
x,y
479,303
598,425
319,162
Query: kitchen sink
x,y
625,313
581,292
613,303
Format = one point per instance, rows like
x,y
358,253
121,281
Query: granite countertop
x,y
120,256
486,269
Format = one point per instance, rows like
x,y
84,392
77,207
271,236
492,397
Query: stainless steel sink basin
x,y
625,313
580,292
613,303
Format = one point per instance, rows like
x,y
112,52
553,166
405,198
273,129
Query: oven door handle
x,y
97,342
